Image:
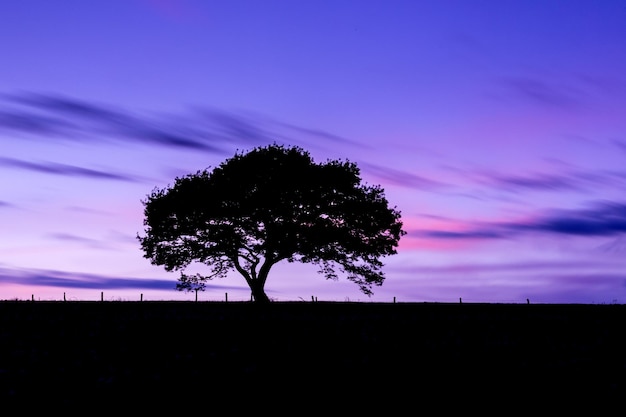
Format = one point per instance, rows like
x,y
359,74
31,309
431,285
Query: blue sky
x,y
497,128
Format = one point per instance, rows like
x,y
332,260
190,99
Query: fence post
x,y
101,295
63,296
141,297
460,300
226,296
394,300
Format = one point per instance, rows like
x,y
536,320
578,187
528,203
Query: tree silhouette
x,y
269,205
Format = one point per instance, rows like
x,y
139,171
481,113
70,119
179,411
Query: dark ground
x,y
355,356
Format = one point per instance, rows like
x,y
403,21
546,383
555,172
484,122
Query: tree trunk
x,y
258,294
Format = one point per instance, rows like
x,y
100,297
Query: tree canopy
x,y
268,205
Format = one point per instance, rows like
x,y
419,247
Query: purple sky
x,y
497,128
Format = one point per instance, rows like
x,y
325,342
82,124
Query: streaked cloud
x,y
542,92
58,117
401,178
36,124
66,170
535,182
616,246
318,133
571,179
61,279
535,287
620,144
470,234
89,210
94,121
83,241
600,219
111,241
582,267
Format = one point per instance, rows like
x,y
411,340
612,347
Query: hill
x,y
351,353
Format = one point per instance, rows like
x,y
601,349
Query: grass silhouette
x,y
357,354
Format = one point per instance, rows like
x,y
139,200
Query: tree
x,y
269,205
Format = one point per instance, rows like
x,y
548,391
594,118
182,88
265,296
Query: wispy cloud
x,y
60,279
318,133
97,122
66,170
401,178
468,234
51,278
586,266
35,124
570,180
600,219
83,241
535,182
112,241
89,210
541,92
59,117
620,144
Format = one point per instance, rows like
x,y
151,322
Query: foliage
x,y
269,205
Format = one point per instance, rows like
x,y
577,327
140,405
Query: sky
x,y
496,127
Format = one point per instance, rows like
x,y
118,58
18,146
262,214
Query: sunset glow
x,y
498,129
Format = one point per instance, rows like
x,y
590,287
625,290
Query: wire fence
x,y
226,297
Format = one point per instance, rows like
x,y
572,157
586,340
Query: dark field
x,y
350,355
